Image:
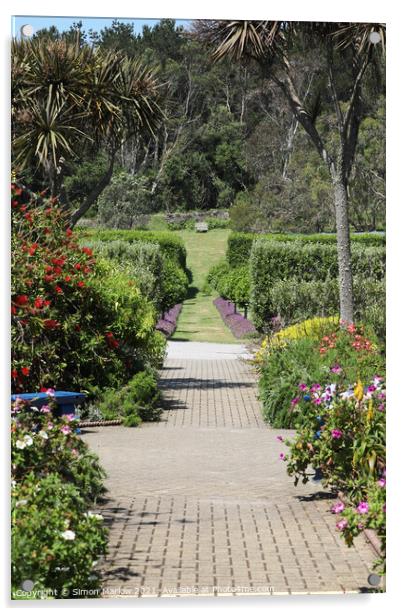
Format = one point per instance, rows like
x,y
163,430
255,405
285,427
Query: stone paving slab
x,y
200,503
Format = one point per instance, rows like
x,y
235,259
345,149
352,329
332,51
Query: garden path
x,y
200,502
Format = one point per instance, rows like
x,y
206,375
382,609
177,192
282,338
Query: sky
x,y
89,23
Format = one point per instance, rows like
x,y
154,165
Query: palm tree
x,y
346,52
68,98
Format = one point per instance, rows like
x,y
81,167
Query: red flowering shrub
x,y
75,321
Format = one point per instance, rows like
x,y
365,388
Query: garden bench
x,y
201,227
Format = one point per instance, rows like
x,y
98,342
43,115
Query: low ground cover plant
x,y
239,325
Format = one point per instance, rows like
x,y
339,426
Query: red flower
x,y
51,323
25,371
47,302
32,249
21,300
38,302
48,269
77,266
17,191
13,309
67,278
69,233
48,278
58,289
14,374
59,261
87,269
57,269
87,251
81,284
14,203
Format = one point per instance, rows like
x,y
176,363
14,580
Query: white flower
x,y
20,444
28,440
13,483
97,516
43,434
69,535
20,503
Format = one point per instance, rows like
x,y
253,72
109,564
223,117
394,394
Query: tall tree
x,y
347,50
68,97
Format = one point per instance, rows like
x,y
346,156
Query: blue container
x,y
66,400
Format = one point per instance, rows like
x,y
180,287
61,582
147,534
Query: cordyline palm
x,y
67,97
270,44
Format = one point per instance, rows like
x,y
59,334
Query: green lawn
x,y
199,320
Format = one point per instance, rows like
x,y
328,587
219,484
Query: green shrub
x,y
171,245
55,540
138,401
230,283
239,244
85,323
174,284
272,261
55,479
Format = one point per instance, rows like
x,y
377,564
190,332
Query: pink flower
x,y
74,452
295,401
69,417
66,430
317,400
338,508
381,407
50,392
362,507
316,387
342,524
336,433
281,456
336,369
46,409
303,387
381,482
49,426
280,439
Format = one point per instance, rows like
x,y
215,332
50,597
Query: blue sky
x,y
89,23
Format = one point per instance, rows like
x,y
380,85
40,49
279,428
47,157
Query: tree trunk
x,y
344,252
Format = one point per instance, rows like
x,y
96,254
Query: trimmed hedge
x,y
171,245
231,283
272,261
295,300
239,244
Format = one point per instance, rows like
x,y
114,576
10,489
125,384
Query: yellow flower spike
x,y
370,411
359,391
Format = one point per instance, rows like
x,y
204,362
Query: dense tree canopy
x,y
226,138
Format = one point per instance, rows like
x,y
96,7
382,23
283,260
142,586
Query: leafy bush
x,y
126,202
76,321
55,478
240,244
174,284
138,401
55,540
344,356
171,245
294,300
55,448
231,283
271,262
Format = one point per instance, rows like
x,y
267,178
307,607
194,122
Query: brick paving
x,y
200,504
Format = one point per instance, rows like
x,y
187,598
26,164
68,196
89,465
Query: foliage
x,y
76,322
55,448
55,539
240,244
174,284
137,401
271,261
344,356
294,300
125,203
232,284
171,245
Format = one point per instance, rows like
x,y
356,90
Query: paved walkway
x,y
201,504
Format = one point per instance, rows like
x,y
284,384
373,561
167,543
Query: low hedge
x,y
231,283
239,244
272,261
170,244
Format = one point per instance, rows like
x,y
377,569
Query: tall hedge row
x,y
171,245
273,261
239,244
